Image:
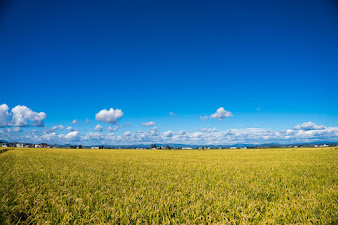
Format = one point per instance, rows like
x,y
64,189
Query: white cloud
x,y
182,132
4,115
113,129
98,128
21,117
22,114
208,130
220,114
94,138
127,133
204,118
196,135
75,121
110,116
148,124
309,126
13,129
70,128
206,136
73,136
60,127
168,133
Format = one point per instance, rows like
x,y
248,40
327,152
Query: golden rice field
x,y
261,186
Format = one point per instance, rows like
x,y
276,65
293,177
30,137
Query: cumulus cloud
x,y
60,127
22,116
14,129
98,128
208,130
73,136
4,115
168,133
127,133
148,124
70,128
309,126
207,136
113,129
75,121
197,135
109,116
220,114
182,132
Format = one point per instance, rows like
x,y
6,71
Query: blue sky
x,y
149,58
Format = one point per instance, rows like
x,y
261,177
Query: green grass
x,y
272,186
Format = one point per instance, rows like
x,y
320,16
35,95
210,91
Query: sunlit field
x,y
82,186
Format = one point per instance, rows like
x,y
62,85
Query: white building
x,y
233,147
95,147
186,147
19,145
37,145
4,145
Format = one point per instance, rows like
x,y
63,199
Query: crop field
x,y
82,186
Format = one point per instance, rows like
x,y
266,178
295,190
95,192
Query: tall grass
x,y
272,186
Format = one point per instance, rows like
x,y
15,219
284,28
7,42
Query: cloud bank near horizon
x,y
16,126
301,133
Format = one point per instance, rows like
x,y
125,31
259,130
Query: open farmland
x,y
168,186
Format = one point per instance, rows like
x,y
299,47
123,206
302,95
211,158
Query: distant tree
x,y
80,146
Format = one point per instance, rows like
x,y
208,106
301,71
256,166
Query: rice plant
x,y
82,186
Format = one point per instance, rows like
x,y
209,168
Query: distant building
x,y
233,147
186,147
95,147
19,145
37,146
44,145
244,148
4,145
